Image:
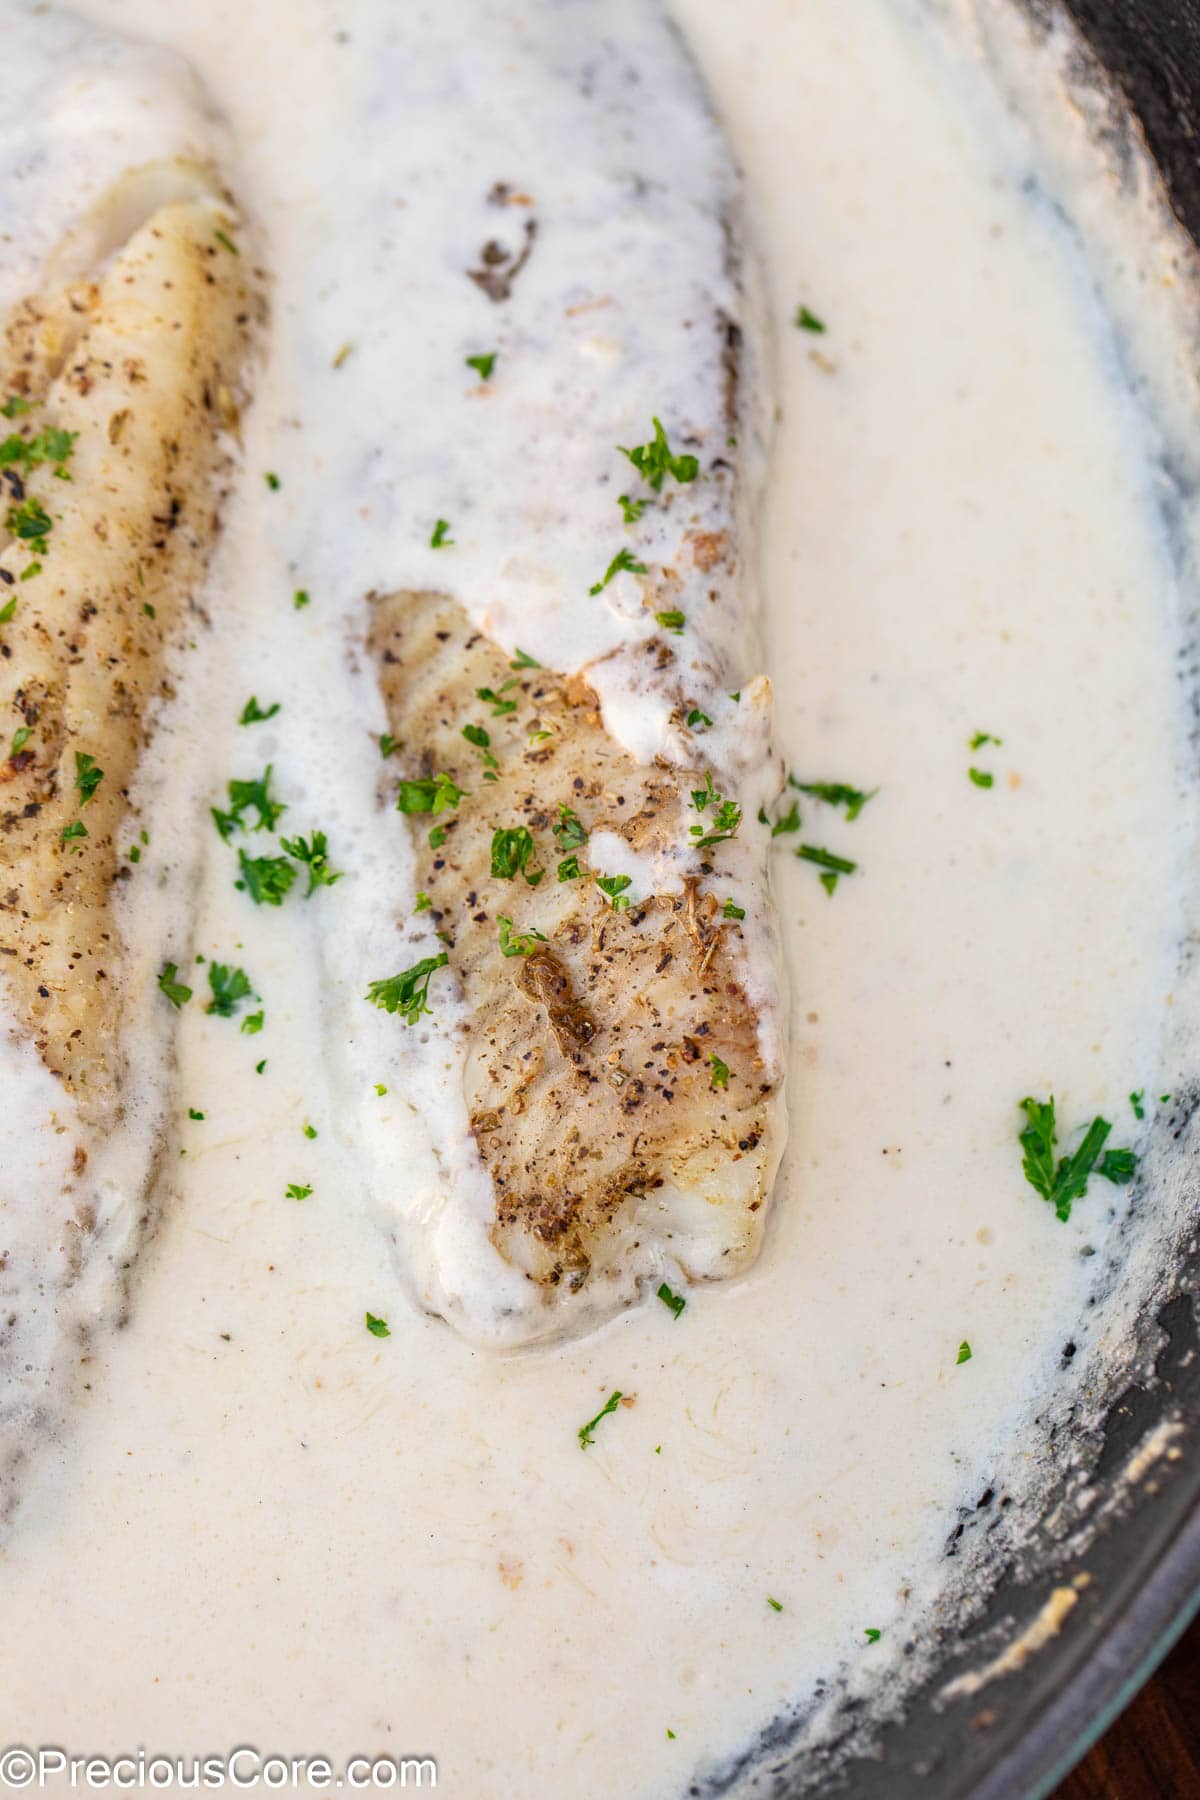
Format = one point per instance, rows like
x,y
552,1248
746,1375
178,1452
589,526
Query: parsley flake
x,y
1063,1182
964,1352
315,857
377,1327
625,561
834,866
675,1302
805,320
176,992
267,879
720,1072
835,793
87,776
586,1432
440,539
614,886
229,987
483,365
408,992
296,1190
429,794
515,853
654,461
517,943
254,714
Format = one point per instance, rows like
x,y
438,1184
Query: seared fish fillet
x,y
121,366
600,1108
132,375
621,1089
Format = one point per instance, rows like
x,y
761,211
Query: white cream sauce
x,y
267,1525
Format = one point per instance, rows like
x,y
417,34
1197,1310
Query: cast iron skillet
x,y
1019,1735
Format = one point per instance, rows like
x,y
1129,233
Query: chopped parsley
x,y
229,987
437,837
614,886
247,796
625,561
15,405
720,1072
871,1634
430,794
654,461
569,869
1135,1099
31,523
981,777
310,1131
296,1190
697,720
87,776
515,853
272,480
315,857
775,1605
675,1302
789,822
70,833
440,539
483,365
300,599
964,1352
979,738
805,320
477,735
21,737
224,239
380,1089
260,1066
193,1114
251,1025
517,943
267,879
569,829
672,620
727,816
834,866
631,510
610,1406
377,1327
1063,1182
423,902
408,992
387,744
731,910
8,611
254,714
523,660
49,446
176,992
495,700
835,793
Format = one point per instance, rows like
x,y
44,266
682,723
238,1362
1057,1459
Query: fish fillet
x,y
621,1090
601,1107
121,372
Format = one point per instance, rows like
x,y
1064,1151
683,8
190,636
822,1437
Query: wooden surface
x,y
1153,1750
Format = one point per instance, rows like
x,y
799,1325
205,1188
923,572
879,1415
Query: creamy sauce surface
x,y
268,1526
